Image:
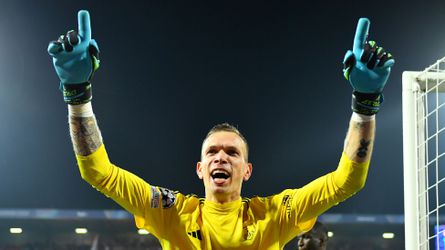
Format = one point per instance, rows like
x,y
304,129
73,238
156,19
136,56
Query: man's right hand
x,y
367,68
75,58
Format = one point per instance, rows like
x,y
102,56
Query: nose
x,y
220,157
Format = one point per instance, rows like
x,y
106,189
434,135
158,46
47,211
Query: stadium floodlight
x,y
388,235
143,232
423,101
15,230
81,230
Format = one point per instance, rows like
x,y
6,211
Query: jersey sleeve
x,y
298,209
152,206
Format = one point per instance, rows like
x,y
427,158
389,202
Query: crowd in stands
x,y
103,243
150,243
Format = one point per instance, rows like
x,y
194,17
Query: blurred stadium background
x,y
276,66
114,230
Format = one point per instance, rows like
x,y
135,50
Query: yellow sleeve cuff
x,y
94,167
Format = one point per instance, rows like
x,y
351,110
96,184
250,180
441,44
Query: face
x,y
307,241
223,166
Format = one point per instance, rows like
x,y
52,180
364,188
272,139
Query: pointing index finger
x,y
84,26
361,34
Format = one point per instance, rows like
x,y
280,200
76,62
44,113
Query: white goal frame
x,y
416,86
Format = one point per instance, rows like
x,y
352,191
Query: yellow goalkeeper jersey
x,y
188,222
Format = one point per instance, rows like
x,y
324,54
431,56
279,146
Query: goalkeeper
x,y
223,219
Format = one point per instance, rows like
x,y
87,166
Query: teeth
x,y
220,174
220,171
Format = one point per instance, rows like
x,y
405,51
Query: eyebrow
x,y
222,146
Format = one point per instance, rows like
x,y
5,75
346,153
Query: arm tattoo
x,y
363,149
359,125
359,140
85,135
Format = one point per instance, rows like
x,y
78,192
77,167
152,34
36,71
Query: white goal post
x,y
423,99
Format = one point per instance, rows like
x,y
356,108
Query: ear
x,y
199,170
248,172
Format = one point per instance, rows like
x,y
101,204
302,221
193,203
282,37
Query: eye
x,y
232,152
211,151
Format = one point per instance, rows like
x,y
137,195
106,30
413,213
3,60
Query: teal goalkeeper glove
x,y
75,58
367,68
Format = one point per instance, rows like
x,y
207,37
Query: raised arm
x,y
75,58
367,68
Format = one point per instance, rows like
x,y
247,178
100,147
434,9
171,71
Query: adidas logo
x,y
195,234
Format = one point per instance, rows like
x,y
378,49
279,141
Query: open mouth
x,y
220,176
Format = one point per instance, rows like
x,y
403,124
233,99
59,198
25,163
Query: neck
x,y
222,198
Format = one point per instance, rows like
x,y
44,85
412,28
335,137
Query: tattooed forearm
x,y
85,135
359,140
364,143
363,149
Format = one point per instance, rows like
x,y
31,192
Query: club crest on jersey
x,y
168,197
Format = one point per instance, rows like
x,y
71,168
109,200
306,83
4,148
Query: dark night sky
x,y
172,69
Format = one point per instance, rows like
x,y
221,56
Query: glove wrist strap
x,y
366,103
75,94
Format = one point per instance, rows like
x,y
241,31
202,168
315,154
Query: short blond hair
x,y
228,128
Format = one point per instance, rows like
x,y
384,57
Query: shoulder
x,y
275,199
188,203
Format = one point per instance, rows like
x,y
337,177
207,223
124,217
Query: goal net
x,y
423,100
